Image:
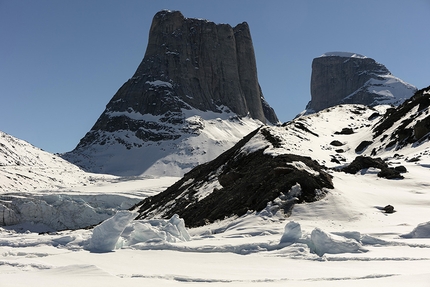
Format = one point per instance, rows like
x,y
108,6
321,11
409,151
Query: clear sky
x,y
62,61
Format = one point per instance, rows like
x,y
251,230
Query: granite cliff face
x,y
340,77
192,63
191,67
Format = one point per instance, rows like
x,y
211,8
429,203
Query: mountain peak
x,y
192,67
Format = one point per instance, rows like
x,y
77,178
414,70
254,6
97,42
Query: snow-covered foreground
x,y
342,240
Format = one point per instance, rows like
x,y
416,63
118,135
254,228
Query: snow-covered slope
x,y
175,146
24,167
387,90
335,136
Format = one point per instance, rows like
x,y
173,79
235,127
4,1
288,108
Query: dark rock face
x,y
354,79
247,181
206,64
189,63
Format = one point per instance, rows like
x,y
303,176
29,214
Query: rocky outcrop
x,y
239,181
341,77
190,66
408,124
365,162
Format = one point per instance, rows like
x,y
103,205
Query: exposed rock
x,y
388,209
302,127
364,162
354,79
336,143
345,131
401,169
362,146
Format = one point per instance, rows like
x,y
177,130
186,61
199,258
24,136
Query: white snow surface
x,y
344,239
207,135
341,240
389,89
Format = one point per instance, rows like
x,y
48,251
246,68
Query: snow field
x,y
341,240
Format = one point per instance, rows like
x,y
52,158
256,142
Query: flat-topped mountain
x,y
193,71
348,78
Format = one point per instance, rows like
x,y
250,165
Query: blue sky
x,y
62,61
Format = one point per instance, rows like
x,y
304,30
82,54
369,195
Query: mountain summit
x,y
194,73
349,78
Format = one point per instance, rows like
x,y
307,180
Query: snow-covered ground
x,y
342,240
345,239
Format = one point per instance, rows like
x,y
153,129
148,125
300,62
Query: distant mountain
x,y
348,78
274,168
194,95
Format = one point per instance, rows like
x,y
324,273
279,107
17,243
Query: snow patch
x,y
158,83
343,54
302,166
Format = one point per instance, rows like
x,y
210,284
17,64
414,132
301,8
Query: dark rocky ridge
x,y
411,121
340,78
189,63
247,181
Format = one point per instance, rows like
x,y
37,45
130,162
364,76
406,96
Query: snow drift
x,y
421,231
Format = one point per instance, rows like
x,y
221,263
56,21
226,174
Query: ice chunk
x,y
105,236
143,232
179,229
292,232
421,231
323,242
172,230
